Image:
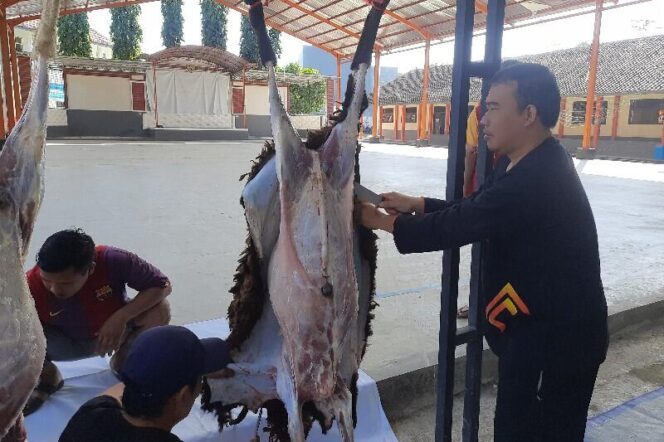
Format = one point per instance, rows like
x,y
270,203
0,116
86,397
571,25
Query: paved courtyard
x,y
177,205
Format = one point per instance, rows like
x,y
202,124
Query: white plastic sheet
x,y
181,92
88,378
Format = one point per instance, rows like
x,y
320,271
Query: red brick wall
x,y
24,74
238,100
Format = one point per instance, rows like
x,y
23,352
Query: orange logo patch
x,y
104,293
507,299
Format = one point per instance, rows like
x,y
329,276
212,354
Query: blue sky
x,y
617,24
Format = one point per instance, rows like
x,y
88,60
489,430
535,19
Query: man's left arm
x,y
150,283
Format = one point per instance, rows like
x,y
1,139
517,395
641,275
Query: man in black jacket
x,y
542,292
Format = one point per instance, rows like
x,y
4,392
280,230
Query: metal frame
x,y
472,335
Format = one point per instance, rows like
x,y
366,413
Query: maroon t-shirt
x,y
104,293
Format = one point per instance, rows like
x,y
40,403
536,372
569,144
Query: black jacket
x,y
542,270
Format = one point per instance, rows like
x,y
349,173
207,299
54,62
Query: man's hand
x,y
372,217
224,373
109,337
395,203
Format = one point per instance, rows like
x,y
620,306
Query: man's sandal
x,y
39,395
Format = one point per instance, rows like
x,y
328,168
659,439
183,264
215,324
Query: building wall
x,y
88,92
257,99
99,51
637,130
27,37
24,37
625,130
577,129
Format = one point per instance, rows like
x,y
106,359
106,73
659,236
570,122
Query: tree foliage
x,y
213,24
126,33
249,42
171,28
305,99
74,35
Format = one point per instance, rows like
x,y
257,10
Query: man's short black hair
x,y
66,249
137,405
535,85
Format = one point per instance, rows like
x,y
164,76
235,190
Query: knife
x,y
365,195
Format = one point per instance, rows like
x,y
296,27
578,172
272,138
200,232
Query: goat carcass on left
x,y
22,343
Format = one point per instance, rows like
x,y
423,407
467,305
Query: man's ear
x,y
91,270
531,115
181,400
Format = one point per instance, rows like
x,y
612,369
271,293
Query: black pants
x,y
543,396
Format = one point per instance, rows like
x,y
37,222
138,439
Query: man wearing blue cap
x,y
162,377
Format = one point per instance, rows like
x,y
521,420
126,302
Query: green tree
x,y
126,33
74,35
249,42
305,99
171,29
275,37
213,21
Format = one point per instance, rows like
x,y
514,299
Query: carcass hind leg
x,y
288,394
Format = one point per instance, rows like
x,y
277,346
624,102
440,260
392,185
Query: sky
x,y
618,24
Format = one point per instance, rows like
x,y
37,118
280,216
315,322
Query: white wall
x,y
257,101
99,51
26,37
98,93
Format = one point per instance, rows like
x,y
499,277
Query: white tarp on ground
x,y
191,94
88,378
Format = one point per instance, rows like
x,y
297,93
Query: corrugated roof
x,y
199,58
101,64
335,26
626,66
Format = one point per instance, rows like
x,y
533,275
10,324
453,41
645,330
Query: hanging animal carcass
x,y
304,288
22,343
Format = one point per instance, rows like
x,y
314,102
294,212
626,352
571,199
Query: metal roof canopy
x,y
335,26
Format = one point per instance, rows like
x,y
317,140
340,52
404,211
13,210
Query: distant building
x,y
102,46
312,57
630,81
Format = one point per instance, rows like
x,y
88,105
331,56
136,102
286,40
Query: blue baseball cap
x,y
164,359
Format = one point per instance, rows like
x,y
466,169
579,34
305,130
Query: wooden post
x,y
561,121
616,117
597,121
6,70
430,129
376,92
448,118
395,116
244,98
592,75
423,113
16,80
380,122
403,122
338,83
154,80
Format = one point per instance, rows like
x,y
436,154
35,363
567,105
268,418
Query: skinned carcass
x,y
22,343
304,289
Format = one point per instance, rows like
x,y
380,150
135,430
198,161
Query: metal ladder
x,y
472,336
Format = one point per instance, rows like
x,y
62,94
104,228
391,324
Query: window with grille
x,y
388,116
439,114
645,111
579,112
411,115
